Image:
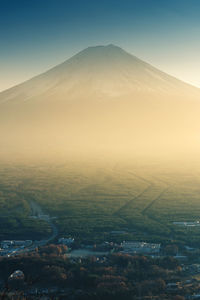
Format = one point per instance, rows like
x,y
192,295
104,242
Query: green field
x,y
90,200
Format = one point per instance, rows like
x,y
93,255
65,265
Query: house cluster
x,y
8,244
188,224
140,248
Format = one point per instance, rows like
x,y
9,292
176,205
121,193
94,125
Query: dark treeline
x,y
112,277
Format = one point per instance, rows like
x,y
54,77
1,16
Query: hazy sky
x,y
38,34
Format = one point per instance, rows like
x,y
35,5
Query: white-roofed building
x,y
140,247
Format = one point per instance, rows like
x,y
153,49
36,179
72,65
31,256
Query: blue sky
x,y
38,34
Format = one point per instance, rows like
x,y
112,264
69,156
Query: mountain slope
x,y
101,98
100,71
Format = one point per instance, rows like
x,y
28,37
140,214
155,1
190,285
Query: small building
x,y
44,217
173,286
22,243
189,248
7,244
66,241
116,232
28,243
196,296
180,257
188,224
17,275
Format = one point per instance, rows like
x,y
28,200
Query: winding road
x,y
39,213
